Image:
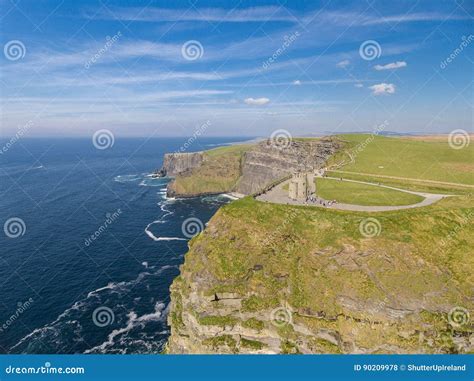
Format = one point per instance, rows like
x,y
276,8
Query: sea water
x,y
96,246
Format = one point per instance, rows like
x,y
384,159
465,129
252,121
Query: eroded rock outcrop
x,y
269,162
178,163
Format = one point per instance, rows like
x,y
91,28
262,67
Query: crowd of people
x,y
313,199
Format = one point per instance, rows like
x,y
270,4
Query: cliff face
x,y
245,169
267,162
266,278
177,163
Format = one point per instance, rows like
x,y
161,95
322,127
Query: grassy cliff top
x,y
362,194
218,173
389,292
407,158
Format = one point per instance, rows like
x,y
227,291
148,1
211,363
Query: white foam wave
x,y
162,220
159,314
127,178
69,316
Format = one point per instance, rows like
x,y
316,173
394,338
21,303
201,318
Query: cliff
x,y
246,169
267,278
178,163
267,162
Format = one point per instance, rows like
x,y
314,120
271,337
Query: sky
x,y
168,68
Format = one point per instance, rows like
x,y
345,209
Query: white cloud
x,y
343,64
413,17
154,14
383,88
256,101
391,66
359,85
297,82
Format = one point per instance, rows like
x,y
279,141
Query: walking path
x,y
403,178
278,195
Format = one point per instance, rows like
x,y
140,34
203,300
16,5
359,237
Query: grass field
x,y
362,194
333,275
317,261
424,159
218,173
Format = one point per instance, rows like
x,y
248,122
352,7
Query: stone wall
x,y
266,163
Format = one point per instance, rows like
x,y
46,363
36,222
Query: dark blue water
x,y
62,291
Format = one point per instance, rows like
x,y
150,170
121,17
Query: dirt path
x,y
278,195
402,178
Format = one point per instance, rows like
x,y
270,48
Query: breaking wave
x,y
73,330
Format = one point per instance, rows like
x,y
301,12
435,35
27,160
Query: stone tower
x,y
301,186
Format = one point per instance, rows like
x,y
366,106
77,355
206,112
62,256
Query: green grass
x,y
362,194
314,258
410,158
252,344
226,150
218,173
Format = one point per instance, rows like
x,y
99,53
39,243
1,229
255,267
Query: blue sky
x,y
164,68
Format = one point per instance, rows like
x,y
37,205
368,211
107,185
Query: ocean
x,y
90,244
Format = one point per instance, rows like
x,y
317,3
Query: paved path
x,y
278,195
403,178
